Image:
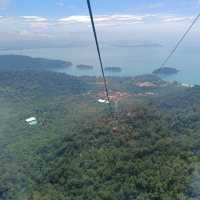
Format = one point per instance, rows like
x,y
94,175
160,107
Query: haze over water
x,y
133,60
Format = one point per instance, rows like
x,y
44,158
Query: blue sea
x,y
133,60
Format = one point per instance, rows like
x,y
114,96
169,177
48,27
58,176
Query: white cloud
x,y
34,19
103,19
177,19
112,27
75,19
120,19
39,24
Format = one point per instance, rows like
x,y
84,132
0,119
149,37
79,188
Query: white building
x,y
187,85
103,101
31,121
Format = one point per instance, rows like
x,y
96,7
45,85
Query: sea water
x,y
133,60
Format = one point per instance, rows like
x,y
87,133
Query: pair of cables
x,y
163,63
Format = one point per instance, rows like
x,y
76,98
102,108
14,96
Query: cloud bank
x,y
150,27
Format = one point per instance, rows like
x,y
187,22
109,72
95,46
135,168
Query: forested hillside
x,y
18,62
136,157
147,148
44,83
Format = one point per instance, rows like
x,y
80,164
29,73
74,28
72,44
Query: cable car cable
x,y
98,49
180,41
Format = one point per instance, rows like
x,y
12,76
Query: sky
x,y
40,23
60,8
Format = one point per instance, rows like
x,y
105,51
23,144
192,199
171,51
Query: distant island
x,y
85,67
113,69
165,71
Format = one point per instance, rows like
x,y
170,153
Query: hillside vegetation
x,y
18,62
146,149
